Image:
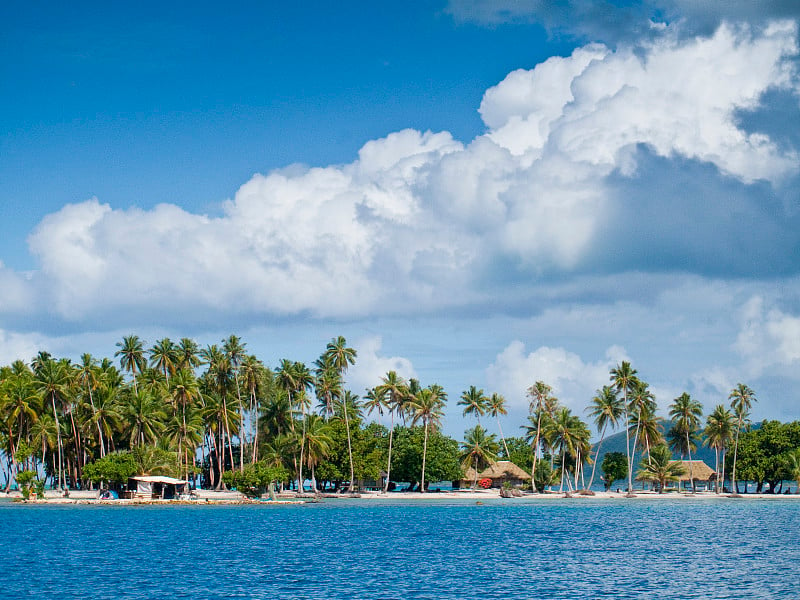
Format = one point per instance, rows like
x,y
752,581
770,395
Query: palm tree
x,y
89,377
567,432
340,357
234,350
622,377
184,391
686,414
20,408
497,407
52,381
642,407
660,468
392,389
318,443
474,402
478,450
164,357
131,355
143,412
428,407
187,353
539,393
348,403
253,373
219,378
719,432
742,398
606,409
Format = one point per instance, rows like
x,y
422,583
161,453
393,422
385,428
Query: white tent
x,y
159,486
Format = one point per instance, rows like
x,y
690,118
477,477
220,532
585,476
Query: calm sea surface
x,y
577,548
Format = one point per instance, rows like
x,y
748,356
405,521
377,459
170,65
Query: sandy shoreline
x,y
206,497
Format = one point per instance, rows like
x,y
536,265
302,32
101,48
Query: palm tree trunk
x,y
724,456
389,461
254,404
227,431
349,445
597,454
502,437
60,451
628,444
241,422
635,443
689,450
734,487
536,450
302,452
424,456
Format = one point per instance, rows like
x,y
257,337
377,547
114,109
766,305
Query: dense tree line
x,y
221,415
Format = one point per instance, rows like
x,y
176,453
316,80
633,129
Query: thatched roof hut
x,y
499,472
700,470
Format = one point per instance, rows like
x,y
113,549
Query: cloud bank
x,y
421,222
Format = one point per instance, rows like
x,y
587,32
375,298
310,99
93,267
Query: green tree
x,y
114,468
131,355
660,468
428,407
497,407
606,409
686,414
622,377
742,398
719,434
164,357
475,402
614,467
52,380
389,396
441,458
540,395
518,451
478,450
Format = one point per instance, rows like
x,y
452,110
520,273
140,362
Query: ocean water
x,y
519,548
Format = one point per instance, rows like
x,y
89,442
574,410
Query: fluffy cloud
x,y
371,366
421,222
16,346
769,339
573,381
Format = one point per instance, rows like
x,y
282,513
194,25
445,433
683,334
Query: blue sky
x,y
472,192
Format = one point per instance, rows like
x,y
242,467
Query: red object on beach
x,y
485,483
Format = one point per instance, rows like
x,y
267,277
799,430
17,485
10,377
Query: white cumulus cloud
x,y
573,380
417,222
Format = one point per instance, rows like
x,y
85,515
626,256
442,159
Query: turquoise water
x,y
578,548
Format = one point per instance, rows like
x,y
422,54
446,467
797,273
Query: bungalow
x,y
499,472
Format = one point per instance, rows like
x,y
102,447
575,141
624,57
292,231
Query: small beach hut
x,y
499,472
702,474
156,487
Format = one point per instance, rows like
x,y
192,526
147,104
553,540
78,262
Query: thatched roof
x,y
502,469
700,470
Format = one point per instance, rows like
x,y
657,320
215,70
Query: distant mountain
x,y
616,443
